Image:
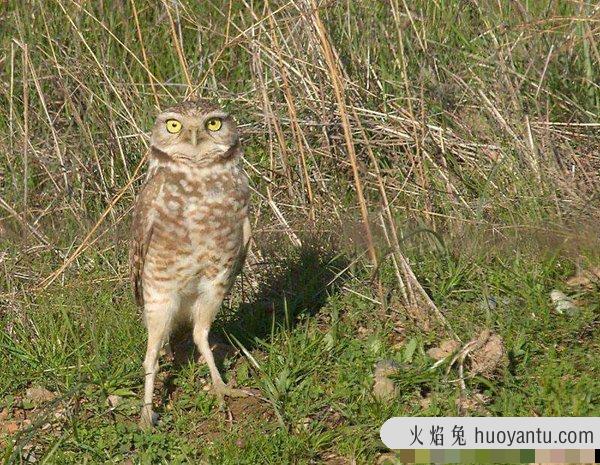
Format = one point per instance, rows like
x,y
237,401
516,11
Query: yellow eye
x,y
214,124
173,126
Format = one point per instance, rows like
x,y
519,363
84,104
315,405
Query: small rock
x,y
563,303
587,279
363,332
39,395
303,424
490,357
446,348
386,368
114,400
10,427
384,389
578,281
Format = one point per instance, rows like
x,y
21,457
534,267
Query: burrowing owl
x,y
190,231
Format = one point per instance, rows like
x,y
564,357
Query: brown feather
x,y
142,231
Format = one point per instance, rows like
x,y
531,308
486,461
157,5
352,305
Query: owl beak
x,y
194,136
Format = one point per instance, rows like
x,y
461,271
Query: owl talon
x,y
222,391
148,418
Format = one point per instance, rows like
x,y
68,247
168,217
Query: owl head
x,y
195,131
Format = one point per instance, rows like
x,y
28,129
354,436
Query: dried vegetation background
x,y
373,130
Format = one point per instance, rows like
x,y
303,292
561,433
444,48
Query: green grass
x,y
482,120
316,372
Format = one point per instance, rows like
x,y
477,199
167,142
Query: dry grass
x,y
447,143
358,118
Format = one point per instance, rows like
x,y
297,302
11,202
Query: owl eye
x,y
173,126
214,124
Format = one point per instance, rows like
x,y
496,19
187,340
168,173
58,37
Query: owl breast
x,y
198,236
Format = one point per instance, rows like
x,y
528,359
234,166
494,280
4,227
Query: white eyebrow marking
x,y
169,115
216,114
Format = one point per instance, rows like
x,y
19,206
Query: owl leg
x,y
206,309
157,321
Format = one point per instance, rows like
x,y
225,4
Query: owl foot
x,y
221,390
148,418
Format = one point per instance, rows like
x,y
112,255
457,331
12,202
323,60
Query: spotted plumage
x,y
190,230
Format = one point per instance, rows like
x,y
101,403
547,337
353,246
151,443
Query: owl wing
x,y
142,228
241,258
247,233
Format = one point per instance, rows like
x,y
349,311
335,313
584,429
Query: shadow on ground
x,y
292,287
295,283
